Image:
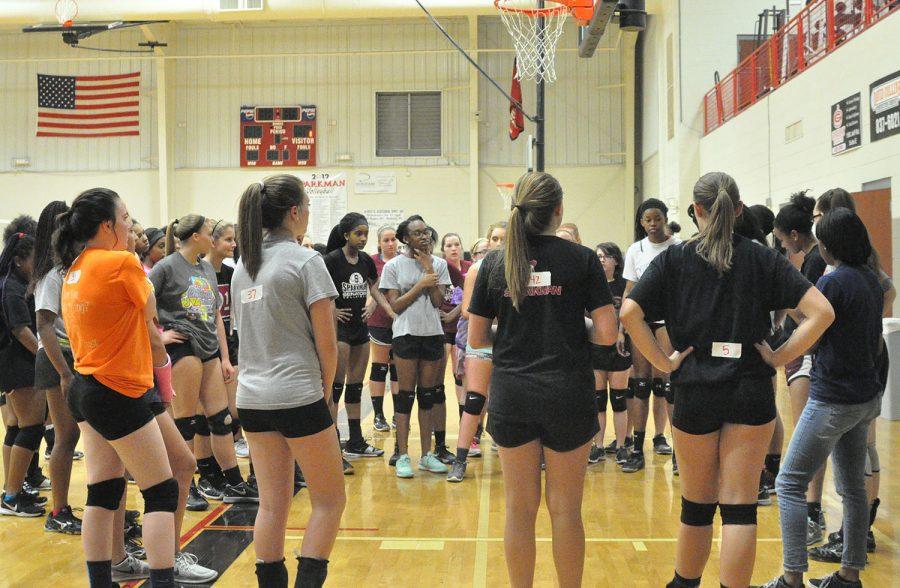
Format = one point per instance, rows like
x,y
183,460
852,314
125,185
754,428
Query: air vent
x,y
236,5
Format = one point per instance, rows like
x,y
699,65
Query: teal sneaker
x,y
431,463
404,467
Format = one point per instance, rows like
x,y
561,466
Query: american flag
x,y
88,106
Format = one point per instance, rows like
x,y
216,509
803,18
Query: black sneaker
x,y
831,552
240,494
444,455
813,532
629,442
195,501
63,522
394,422
768,479
38,480
822,524
299,479
612,447
393,461
596,455
381,425
870,542
833,580
457,472
209,489
135,548
675,471
776,583
621,455
763,498
635,463
348,467
35,494
661,446
362,450
251,481
21,505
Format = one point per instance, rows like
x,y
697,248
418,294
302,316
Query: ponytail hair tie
x,y
262,186
20,235
520,208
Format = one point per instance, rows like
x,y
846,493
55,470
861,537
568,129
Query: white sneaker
x,y
189,571
130,568
241,449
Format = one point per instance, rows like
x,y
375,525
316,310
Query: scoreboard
x,y
278,136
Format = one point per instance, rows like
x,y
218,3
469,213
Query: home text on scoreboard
x,y
278,136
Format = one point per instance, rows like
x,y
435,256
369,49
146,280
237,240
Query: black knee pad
x,y
658,387
235,426
11,432
617,400
403,401
738,514
201,425
425,396
106,494
30,437
457,380
602,397
220,423
393,371
629,391
640,388
670,393
379,372
161,498
353,394
337,390
697,514
474,403
440,394
185,426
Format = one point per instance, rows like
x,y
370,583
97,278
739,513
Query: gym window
x,y
407,124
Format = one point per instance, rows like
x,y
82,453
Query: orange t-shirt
x,y
103,299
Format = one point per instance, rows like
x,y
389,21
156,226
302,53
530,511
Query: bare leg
x,y
521,467
564,494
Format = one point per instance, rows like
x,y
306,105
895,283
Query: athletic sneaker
x,y
629,442
189,571
130,568
612,447
63,522
135,548
621,455
833,580
241,449
362,450
348,469
299,479
77,455
404,467
767,478
596,455
635,463
813,532
444,455
822,524
209,489
474,450
239,494
195,501
393,461
21,505
251,481
394,422
763,498
430,463
381,425
776,583
458,472
39,481
661,446
831,552
675,471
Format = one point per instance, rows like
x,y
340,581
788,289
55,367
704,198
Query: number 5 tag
x,y
726,350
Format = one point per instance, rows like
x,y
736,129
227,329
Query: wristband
x,y
163,377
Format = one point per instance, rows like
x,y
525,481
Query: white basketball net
x,y
66,11
535,51
506,193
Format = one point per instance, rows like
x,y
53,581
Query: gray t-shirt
x,y
187,299
279,365
420,318
48,296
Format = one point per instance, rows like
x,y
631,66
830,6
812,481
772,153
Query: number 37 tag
x,y
726,350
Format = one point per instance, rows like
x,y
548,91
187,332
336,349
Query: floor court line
x,y
633,540
479,575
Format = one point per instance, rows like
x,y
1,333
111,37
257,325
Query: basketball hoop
x,y
66,11
535,48
506,191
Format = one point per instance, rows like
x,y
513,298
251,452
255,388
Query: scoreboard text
x,y
278,136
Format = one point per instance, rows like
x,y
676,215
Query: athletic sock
x,y
205,465
162,578
440,439
34,467
100,573
311,572
50,437
773,463
356,437
681,582
462,454
813,510
639,441
462,410
233,476
273,574
873,511
378,405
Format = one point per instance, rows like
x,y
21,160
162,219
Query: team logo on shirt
x,y
355,288
540,284
199,300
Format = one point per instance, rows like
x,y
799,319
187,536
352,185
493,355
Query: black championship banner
x,y
884,100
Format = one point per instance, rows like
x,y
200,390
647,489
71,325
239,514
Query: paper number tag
x,y
73,277
726,350
540,279
251,294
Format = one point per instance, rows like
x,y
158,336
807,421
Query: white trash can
x,y
890,405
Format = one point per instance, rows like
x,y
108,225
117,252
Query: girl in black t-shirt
x,y
716,293
355,277
542,390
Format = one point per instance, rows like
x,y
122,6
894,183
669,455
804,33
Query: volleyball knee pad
x,y
220,423
640,388
11,432
440,394
106,494
161,498
185,426
379,372
201,425
670,393
353,394
738,514
696,514
602,397
629,391
658,387
403,401
30,437
474,403
873,464
337,390
617,400
425,396
392,371
457,380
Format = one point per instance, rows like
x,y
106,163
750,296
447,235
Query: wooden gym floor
x,y
426,532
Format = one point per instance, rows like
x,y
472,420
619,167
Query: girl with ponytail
x,y
715,293
539,288
284,312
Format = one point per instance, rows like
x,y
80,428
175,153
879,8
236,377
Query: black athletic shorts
x,y
353,334
233,347
111,413
17,372
45,375
153,399
558,434
381,335
300,421
621,362
450,338
178,351
424,348
703,409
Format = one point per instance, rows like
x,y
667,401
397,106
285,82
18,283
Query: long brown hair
x,y
536,197
183,228
263,206
717,193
